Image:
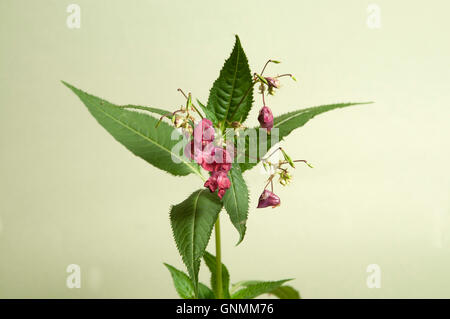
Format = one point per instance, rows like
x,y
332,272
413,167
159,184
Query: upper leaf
x,y
211,115
192,222
137,132
236,201
286,123
231,96
254,289
210,262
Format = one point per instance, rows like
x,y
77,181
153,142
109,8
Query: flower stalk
x,y
219,292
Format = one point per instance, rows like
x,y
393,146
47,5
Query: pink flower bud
x,y
216,159
265,118
273,82
204,132
218,180
267,199
189,150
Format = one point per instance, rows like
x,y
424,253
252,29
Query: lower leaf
x,y
192,222
286,292
254,289
182,282
210,262
185,288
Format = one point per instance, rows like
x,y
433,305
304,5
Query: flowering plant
x,y
212,138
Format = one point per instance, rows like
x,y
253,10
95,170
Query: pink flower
x,y
189,150
218,180
204,133
273,82
265,118
267,199
215,159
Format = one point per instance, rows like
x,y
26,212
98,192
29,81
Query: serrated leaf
x,y
210,262
231,96
146,108
236,201
136,131
204,292
185,288
254,289
286,292
288,122
182,282
209,114
192,222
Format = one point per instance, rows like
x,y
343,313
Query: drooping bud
x,y
267,199
265,118
218,180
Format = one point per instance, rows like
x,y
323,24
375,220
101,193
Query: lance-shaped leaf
x,y
185,288
204,292
210,262
288,122
182,282
236,200
192,222
231,96
286,292
211,115
147,108
253,289
160,146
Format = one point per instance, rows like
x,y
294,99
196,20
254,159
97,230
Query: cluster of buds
x,y
269,83
280,169
211,157
183,118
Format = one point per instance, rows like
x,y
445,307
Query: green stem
x,y
219,292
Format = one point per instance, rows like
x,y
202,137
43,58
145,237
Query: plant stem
x,y
219,292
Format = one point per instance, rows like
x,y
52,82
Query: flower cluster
x,y
207,149
265,118
269,198
214,159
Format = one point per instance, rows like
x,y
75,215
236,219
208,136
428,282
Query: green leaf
x,y
182,282
146,108
209,114
254,289
210,262
231,96
185,288
286,123
286,292
236,201
137,132
204,292
192,222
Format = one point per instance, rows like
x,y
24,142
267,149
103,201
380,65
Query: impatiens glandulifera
x,y
195,139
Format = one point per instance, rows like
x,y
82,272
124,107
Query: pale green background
x,y
379,193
